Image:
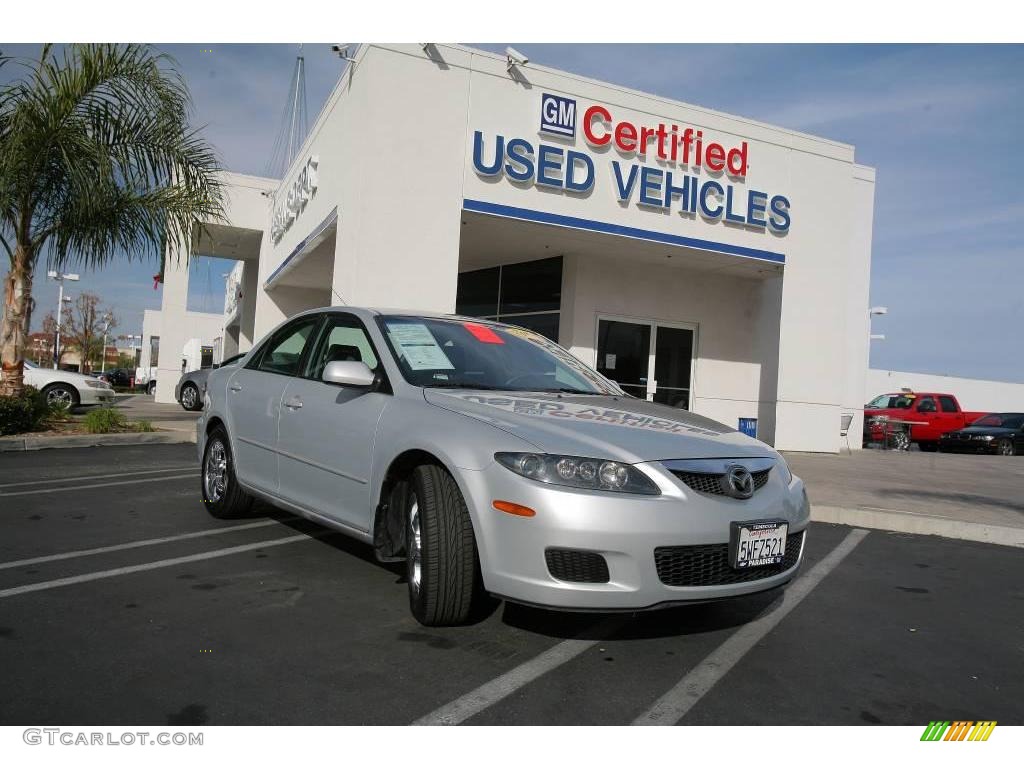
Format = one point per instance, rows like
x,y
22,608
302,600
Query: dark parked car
x,y
116,377
1001,433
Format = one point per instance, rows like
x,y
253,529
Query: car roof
x,y
366,312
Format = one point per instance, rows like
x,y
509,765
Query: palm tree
x,y
97,162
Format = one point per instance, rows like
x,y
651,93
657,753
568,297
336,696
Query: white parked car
x,y
67,387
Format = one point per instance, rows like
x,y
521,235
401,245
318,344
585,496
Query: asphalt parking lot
x,y
180,619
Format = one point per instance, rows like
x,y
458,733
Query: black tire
x,y
1006,447
230,500
61,393
191,391
151,388
446,587
928,447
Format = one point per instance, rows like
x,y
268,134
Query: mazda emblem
x,y
738,482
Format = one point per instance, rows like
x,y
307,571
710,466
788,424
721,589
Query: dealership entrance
x,y
649,359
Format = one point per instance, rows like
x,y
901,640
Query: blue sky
x,y
941,124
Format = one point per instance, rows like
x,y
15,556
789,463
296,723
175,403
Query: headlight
x,y
579,472
984,437
95,383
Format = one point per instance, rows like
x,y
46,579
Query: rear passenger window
x,y
284,352
948,404
926,405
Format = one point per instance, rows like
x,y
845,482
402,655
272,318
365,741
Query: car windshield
x,y
1008,420
434,352
901,401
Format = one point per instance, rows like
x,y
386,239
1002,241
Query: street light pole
x,y
60,277
103,359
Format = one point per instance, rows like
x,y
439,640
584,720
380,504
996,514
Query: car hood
x,y
611,427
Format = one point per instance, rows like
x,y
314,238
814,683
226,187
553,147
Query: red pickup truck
x,y
939,412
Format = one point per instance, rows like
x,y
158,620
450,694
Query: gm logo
x,y
558,115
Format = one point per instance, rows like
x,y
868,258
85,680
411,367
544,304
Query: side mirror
x,y
349,373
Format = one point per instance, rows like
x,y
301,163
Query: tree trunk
x,y
16,318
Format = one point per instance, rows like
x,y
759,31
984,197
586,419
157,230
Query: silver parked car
x,y
492,461
190,387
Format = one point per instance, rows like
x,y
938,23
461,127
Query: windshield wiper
x,y
571,391
466,385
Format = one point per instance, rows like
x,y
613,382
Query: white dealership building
x,y
700,259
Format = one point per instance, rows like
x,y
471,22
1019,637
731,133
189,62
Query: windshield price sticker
x,y
418,346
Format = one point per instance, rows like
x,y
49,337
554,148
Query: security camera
x,y
342,51
515,58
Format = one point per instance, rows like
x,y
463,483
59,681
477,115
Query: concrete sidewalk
x,y
163,416
960,496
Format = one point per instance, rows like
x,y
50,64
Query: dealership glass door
x,y
650,360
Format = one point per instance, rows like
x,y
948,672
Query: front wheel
x,y
61,395
1005,448
222,495
441,555
900,441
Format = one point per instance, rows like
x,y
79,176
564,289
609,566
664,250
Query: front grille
x,y
707,565
712,484
577,565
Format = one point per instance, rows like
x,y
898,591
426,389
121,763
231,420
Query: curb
x,y
38,442
929,525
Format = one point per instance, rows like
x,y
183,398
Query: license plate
x,y
757,543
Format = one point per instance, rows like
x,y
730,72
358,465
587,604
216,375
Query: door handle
x,y
235,387
293,403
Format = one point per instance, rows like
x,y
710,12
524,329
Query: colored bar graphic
x,y
958,730
935,730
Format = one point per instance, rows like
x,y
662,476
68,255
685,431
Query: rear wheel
x,y
190,398
1005,447
441,556
222,495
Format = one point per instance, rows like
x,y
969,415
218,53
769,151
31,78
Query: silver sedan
x,y
494,462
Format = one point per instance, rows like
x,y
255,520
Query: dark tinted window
x,y
283,352
477,293
546,324
926,405
532,286
948,404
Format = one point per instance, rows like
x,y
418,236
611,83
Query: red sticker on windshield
x,y
483,333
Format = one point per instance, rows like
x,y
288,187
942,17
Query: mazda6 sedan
x,y
493,462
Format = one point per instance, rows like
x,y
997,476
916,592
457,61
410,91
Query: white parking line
x,y
494,691
68,479
140,543
193,474
671,707
85,577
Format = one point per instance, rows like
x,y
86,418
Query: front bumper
x,y
968,446
624,529
93,396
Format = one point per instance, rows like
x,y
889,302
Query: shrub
x,y
23,413
100,421
142,425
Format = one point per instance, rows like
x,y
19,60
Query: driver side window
x,y
343,338
283,352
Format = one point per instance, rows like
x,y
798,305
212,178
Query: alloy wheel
x,y
60,396
188,397
215,472
1005,448
901,441
415,547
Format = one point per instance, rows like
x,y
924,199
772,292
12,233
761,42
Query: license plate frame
x,y
764,530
